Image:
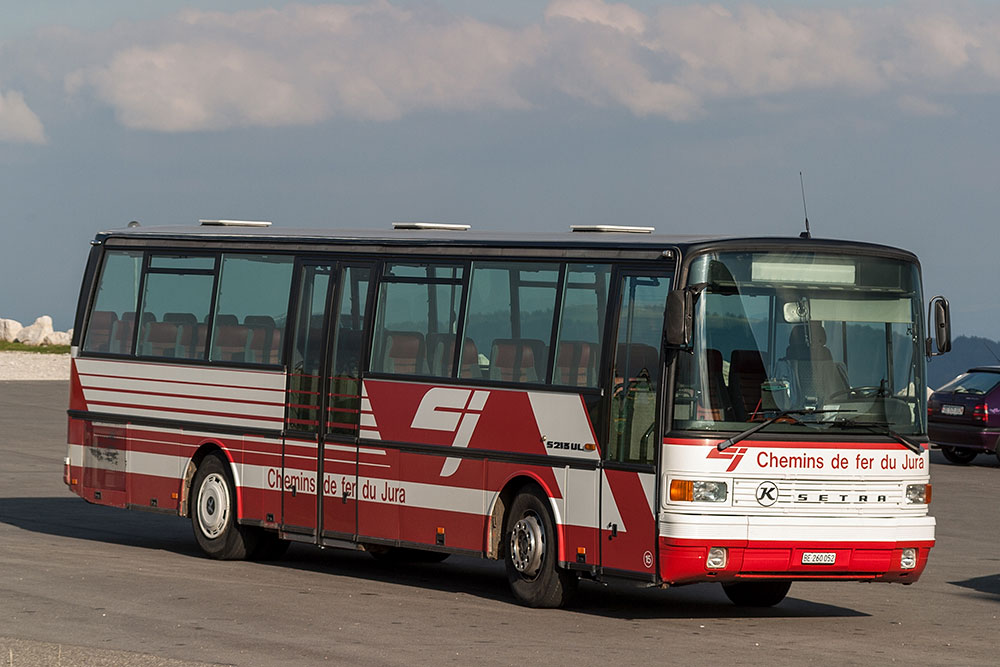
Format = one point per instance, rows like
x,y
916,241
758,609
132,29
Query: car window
x,y
973,383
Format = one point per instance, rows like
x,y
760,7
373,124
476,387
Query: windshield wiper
x,y
726,444
882,428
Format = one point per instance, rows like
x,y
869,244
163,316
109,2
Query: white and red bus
x,y
603,403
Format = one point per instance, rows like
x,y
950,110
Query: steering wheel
x,y
866,391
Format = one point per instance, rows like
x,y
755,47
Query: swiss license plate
x,y
952,409
813,558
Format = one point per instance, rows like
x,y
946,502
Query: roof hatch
x,y
431,226
235,223
617,229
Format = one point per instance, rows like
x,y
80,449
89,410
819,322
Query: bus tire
x,y
958,455
213,513
532,552
756,593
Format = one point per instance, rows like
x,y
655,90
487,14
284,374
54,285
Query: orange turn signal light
x,y
682,489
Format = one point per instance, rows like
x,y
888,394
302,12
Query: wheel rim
x,y
213,505
527,545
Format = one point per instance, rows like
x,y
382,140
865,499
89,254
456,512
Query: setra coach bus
x,y
604,403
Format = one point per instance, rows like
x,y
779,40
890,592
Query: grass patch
x,y
38,349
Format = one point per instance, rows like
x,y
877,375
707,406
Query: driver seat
x,y
815,375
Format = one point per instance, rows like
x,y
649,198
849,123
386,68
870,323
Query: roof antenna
x,y
802,184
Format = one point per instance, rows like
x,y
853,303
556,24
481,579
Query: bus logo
x,y
454,410
767,493
734,454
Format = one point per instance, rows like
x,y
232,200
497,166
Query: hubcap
x,y
527,545
213,505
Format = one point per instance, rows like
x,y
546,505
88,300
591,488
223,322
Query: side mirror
x,y
680,316
942,326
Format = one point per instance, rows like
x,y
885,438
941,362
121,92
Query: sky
x,y
515,116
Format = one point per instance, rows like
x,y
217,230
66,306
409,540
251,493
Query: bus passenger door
x,y
306,399
339,443
628,488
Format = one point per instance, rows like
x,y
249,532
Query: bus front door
x,y
628,495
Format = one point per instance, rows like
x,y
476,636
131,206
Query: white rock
x,y
57,338
9,330
35,333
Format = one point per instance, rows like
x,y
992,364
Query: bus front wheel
x,y
756,593
213,513
533,572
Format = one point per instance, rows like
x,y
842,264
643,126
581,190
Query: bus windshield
x,y
774,331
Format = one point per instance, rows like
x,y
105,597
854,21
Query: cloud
x,y
304,64
620,17
201,86
376,61
920,106
18,123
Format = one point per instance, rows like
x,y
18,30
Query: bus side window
x,y
581,325
636,369
417,319
251,308
109,328
177,296
510,315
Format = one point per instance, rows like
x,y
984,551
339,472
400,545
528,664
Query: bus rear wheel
x,y
213,513
535,578
756,593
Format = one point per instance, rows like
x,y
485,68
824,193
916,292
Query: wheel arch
x,y
514,485
205,449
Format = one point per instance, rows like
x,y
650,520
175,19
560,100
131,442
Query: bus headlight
x,y
918,494
908,561
698,491
710,492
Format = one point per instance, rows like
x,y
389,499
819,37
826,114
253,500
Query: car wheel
x,y
756,593
958,455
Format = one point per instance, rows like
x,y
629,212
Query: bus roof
x,y
638,245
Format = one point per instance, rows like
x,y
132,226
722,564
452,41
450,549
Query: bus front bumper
x,y
799,548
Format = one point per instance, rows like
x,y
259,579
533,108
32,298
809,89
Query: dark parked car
x,y
963,417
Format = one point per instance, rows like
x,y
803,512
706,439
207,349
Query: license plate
x,y
952,409
811,558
